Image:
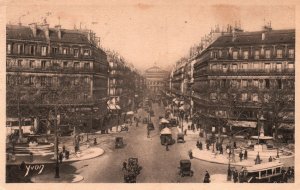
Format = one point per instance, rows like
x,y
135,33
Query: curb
x,y
101,152
74,179
231,163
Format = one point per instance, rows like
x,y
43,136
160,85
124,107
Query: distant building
x,y
54,67
156,79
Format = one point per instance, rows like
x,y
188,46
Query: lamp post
x,y
182,116
56,145
229,170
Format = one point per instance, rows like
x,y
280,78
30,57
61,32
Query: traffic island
x,y
209,156
64,178
86,154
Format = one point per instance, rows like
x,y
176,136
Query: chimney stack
x,y
33,27
45,28
58,29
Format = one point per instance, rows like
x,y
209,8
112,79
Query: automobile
x,y
185,168
145,120
166,136
150,126
269,172
173,122
133,165
180,138
119,142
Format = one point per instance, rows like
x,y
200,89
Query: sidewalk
x,y
209,156
88,153
63,178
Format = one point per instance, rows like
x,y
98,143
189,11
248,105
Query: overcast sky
x,y
145,32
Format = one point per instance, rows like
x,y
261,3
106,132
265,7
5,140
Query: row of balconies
x,y
51,69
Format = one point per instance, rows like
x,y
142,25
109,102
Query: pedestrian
x,y
193,128
197,144
270,159
148,133
234,145
207,145
31,157
241,156
167,146
206,177
64,148
235,176
124,166
221,149
200,145
95,141
22,166
61,157
246,154
185,132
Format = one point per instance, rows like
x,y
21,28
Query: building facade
x,y
156,79
49,68
246,79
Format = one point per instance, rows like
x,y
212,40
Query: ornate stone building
x,y
54,67
246,79
156,79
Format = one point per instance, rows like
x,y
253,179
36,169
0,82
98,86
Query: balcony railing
x,y
247,72
51,69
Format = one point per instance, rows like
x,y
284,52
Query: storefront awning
x,y
113,107
250,124
287,126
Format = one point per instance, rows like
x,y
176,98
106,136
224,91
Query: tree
x,y
279,104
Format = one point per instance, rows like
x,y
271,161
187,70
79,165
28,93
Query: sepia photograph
x,y
149,92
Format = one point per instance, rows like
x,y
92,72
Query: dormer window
x,y
268,54
20,48
65,51
291,53
256,54
245,54
44,50
8,49
31,50
76,52
235,55
86,52
279,53
54,50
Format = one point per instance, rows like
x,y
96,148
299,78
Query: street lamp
x,y
182,116
229,170
56,145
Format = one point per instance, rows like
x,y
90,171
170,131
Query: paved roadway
x,y
158,164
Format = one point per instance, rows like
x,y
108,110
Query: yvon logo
x,y
31,168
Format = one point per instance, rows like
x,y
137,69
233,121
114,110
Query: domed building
x,y
156,79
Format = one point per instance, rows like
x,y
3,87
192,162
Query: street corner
x,y
211,157
86,154
63,178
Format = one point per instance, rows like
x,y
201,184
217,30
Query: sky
x,y
149,32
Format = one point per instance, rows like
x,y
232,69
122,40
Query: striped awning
x,y
250,124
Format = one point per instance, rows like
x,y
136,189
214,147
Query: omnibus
x,y
269,172
12,126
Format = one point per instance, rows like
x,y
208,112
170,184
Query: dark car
x,y
150,126
185,168
180,138
173,122
119,142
